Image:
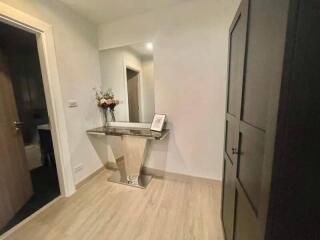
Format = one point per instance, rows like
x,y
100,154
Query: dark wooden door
x,y
271,180
15,180
257,40
294,211
237,47
266,39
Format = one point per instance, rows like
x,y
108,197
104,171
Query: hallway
x,y
167,209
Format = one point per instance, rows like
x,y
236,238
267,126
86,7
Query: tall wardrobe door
x,y
237,46
264,47
252,128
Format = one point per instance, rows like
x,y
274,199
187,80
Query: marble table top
x,y
125,131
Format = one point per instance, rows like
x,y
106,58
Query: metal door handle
x,y
18,125
235,151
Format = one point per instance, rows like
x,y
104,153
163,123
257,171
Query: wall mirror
x,y
129,72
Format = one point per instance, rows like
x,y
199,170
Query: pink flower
x,y
109,101
103,101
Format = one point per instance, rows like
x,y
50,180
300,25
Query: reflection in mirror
x,y
128,71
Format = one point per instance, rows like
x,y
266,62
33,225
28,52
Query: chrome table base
x,y
134,143
130,165
140,181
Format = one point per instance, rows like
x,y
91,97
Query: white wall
x,y
190,60
79,72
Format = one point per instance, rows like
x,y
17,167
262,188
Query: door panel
x,y
15,180
257,72
250,162
237,47
236,62
228,198
246,226
232,133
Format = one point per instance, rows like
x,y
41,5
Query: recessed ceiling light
x,y
149,46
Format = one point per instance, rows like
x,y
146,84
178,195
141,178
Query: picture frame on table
x,y
158,122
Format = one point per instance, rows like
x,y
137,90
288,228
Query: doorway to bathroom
x,y
28,172
133,94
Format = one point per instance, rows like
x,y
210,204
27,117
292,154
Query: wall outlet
x,y
78,168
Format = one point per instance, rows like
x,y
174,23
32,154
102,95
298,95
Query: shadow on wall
x,y
108,148
161,151
157,153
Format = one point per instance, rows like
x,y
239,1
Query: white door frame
x,y
136,69
52,88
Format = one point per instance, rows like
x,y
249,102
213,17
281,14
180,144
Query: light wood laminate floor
x,y
166,210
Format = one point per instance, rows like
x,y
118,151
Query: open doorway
x,y
29,175
133,95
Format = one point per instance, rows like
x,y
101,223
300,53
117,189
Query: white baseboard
x,y
167,175
88,178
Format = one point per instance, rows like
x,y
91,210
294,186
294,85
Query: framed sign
x,y
158,122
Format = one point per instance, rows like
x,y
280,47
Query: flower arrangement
x,y
106,101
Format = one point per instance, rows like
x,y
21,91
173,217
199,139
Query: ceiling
x,y
102,11
141,50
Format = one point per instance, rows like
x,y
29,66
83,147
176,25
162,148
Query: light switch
x,y
72,104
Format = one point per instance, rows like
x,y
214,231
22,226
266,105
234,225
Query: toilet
x,y
33,154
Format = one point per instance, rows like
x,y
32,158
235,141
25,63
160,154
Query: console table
x,y
134,142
